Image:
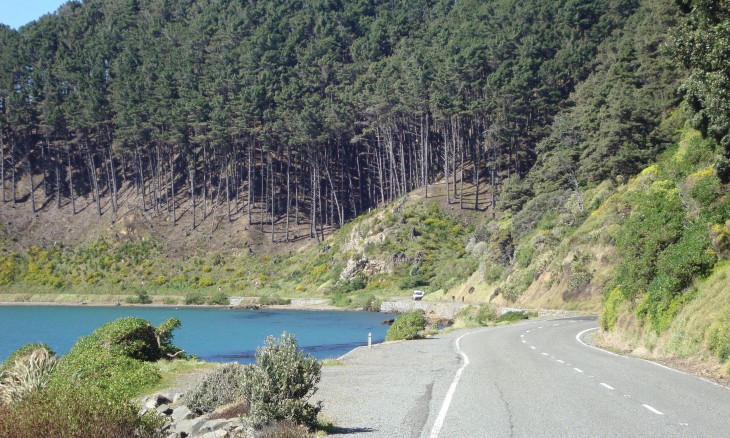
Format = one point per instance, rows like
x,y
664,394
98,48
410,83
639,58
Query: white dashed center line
x,y
607,386
560,361
578,369
653,410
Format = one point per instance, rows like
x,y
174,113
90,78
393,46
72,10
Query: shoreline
x,y
317,307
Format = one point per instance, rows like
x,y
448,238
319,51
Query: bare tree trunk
x,y
140,180
29,171
191,174
13,168
313,213
446,169
228,188
57,165
112,177
273,194
43,166
250,185
2,164
461,189
288,198
92,175
172,185
71,179
205,182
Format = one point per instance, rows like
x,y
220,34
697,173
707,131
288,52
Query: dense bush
x,y
217,388
513,316
406,326
413,281
280,384
194,299
719,338
116,357
219,298
656,222
74,412
535,210
140,297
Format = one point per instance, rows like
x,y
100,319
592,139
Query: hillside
x,y
573,156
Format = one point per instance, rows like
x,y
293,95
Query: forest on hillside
x,y
313,111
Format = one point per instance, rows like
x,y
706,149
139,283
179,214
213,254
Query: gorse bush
x,y
280,384
217,388
406,326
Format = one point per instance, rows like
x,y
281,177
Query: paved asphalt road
x,y
533,379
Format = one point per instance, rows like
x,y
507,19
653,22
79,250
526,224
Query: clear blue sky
x,y
16,13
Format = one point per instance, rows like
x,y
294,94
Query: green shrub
x,y
140,297
609,315
691,256
518,283
219,298
78,411
407,326
413,281
513,316
194,299
273,300
656,222
280,384
217,388
116,357
719,338
26,375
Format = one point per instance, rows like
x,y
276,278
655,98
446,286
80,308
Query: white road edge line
x,y
653,409
439,423
578,338
607,386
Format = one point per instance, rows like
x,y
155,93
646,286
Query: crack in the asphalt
x,y
506,406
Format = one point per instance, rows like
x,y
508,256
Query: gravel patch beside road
x,y
392,390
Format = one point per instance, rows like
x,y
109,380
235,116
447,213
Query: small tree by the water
x,y
279,386
406,326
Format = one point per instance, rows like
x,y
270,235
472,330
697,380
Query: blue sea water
x,y
212,334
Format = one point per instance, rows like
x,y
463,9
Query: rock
x,y
149,403
181,413
176,398
212,425
164,409
190,427
215,434
353,268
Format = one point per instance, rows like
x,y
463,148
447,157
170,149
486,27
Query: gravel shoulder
x,y
393,389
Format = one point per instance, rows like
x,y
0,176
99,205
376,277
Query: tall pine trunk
x,y
29,171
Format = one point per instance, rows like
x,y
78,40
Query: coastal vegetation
x,y
407,326
94,390
564,155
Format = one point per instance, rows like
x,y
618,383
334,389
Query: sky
x,y
16,13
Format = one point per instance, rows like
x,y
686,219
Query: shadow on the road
x,y
348,430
